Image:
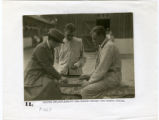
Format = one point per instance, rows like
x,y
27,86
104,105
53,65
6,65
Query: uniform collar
x,y
67,41
47,42
46,45
104,42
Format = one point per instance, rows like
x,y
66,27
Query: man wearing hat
x,y
107,73
40,77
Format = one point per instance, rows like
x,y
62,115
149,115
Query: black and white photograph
x,y
80,60
78,56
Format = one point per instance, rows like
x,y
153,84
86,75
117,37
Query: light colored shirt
x,y
109,64
68,54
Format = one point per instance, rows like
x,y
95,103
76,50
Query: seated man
x,y
108,67
69,55
40,78
109,35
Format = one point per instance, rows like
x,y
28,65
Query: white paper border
x,y
143,106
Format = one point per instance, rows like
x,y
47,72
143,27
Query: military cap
x,y
56,35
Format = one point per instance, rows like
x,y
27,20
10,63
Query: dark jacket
x,y
40,64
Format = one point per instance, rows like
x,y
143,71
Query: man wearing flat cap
x,y
107,73
40,77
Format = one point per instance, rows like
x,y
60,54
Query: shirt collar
x,y
48,44
67,41
104,42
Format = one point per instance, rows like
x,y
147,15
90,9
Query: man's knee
x,y
84,93
92,91
87,92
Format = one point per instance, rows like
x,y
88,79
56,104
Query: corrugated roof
x,y
40,19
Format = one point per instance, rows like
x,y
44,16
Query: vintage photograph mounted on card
x,y
78,56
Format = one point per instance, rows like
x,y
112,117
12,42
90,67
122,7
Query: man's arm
x,y
43,59
57,54
82,59
104,65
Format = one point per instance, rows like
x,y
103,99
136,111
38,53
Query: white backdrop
x,y
142,107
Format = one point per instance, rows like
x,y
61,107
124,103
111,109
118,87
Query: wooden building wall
x,y
80,21
121,24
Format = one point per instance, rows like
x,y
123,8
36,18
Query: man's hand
x,y
85,83
85,77
63,80
76,65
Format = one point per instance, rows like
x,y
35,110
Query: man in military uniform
x,y
40,77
